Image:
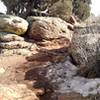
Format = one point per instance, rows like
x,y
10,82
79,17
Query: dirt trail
x,y
7,61
8,66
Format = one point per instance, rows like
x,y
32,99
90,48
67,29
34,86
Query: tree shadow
x,y
41,82
38,73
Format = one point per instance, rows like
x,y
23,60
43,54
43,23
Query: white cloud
x,y
95,7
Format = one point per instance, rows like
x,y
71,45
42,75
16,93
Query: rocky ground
x,y
49,62
56,81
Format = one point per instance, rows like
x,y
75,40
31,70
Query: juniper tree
x,y
24,8
81,8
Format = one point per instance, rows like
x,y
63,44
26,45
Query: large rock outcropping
x,y
85,49
39,63
54,33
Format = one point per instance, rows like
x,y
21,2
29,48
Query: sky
x,y
2,8
95,7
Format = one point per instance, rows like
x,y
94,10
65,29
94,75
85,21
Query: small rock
x,y
2,70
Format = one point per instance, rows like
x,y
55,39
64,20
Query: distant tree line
x,y
60,8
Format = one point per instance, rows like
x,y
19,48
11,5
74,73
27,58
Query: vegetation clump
x,y
59,8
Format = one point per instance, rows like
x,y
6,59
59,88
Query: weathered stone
x,y
85,28
49,28
7,37
63,79
7,52
13,24
85,51
15,45
54,44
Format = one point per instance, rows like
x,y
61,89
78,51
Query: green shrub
x,y
62,9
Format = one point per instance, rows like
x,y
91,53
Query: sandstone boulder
x,y
49,28
13,24
7,37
